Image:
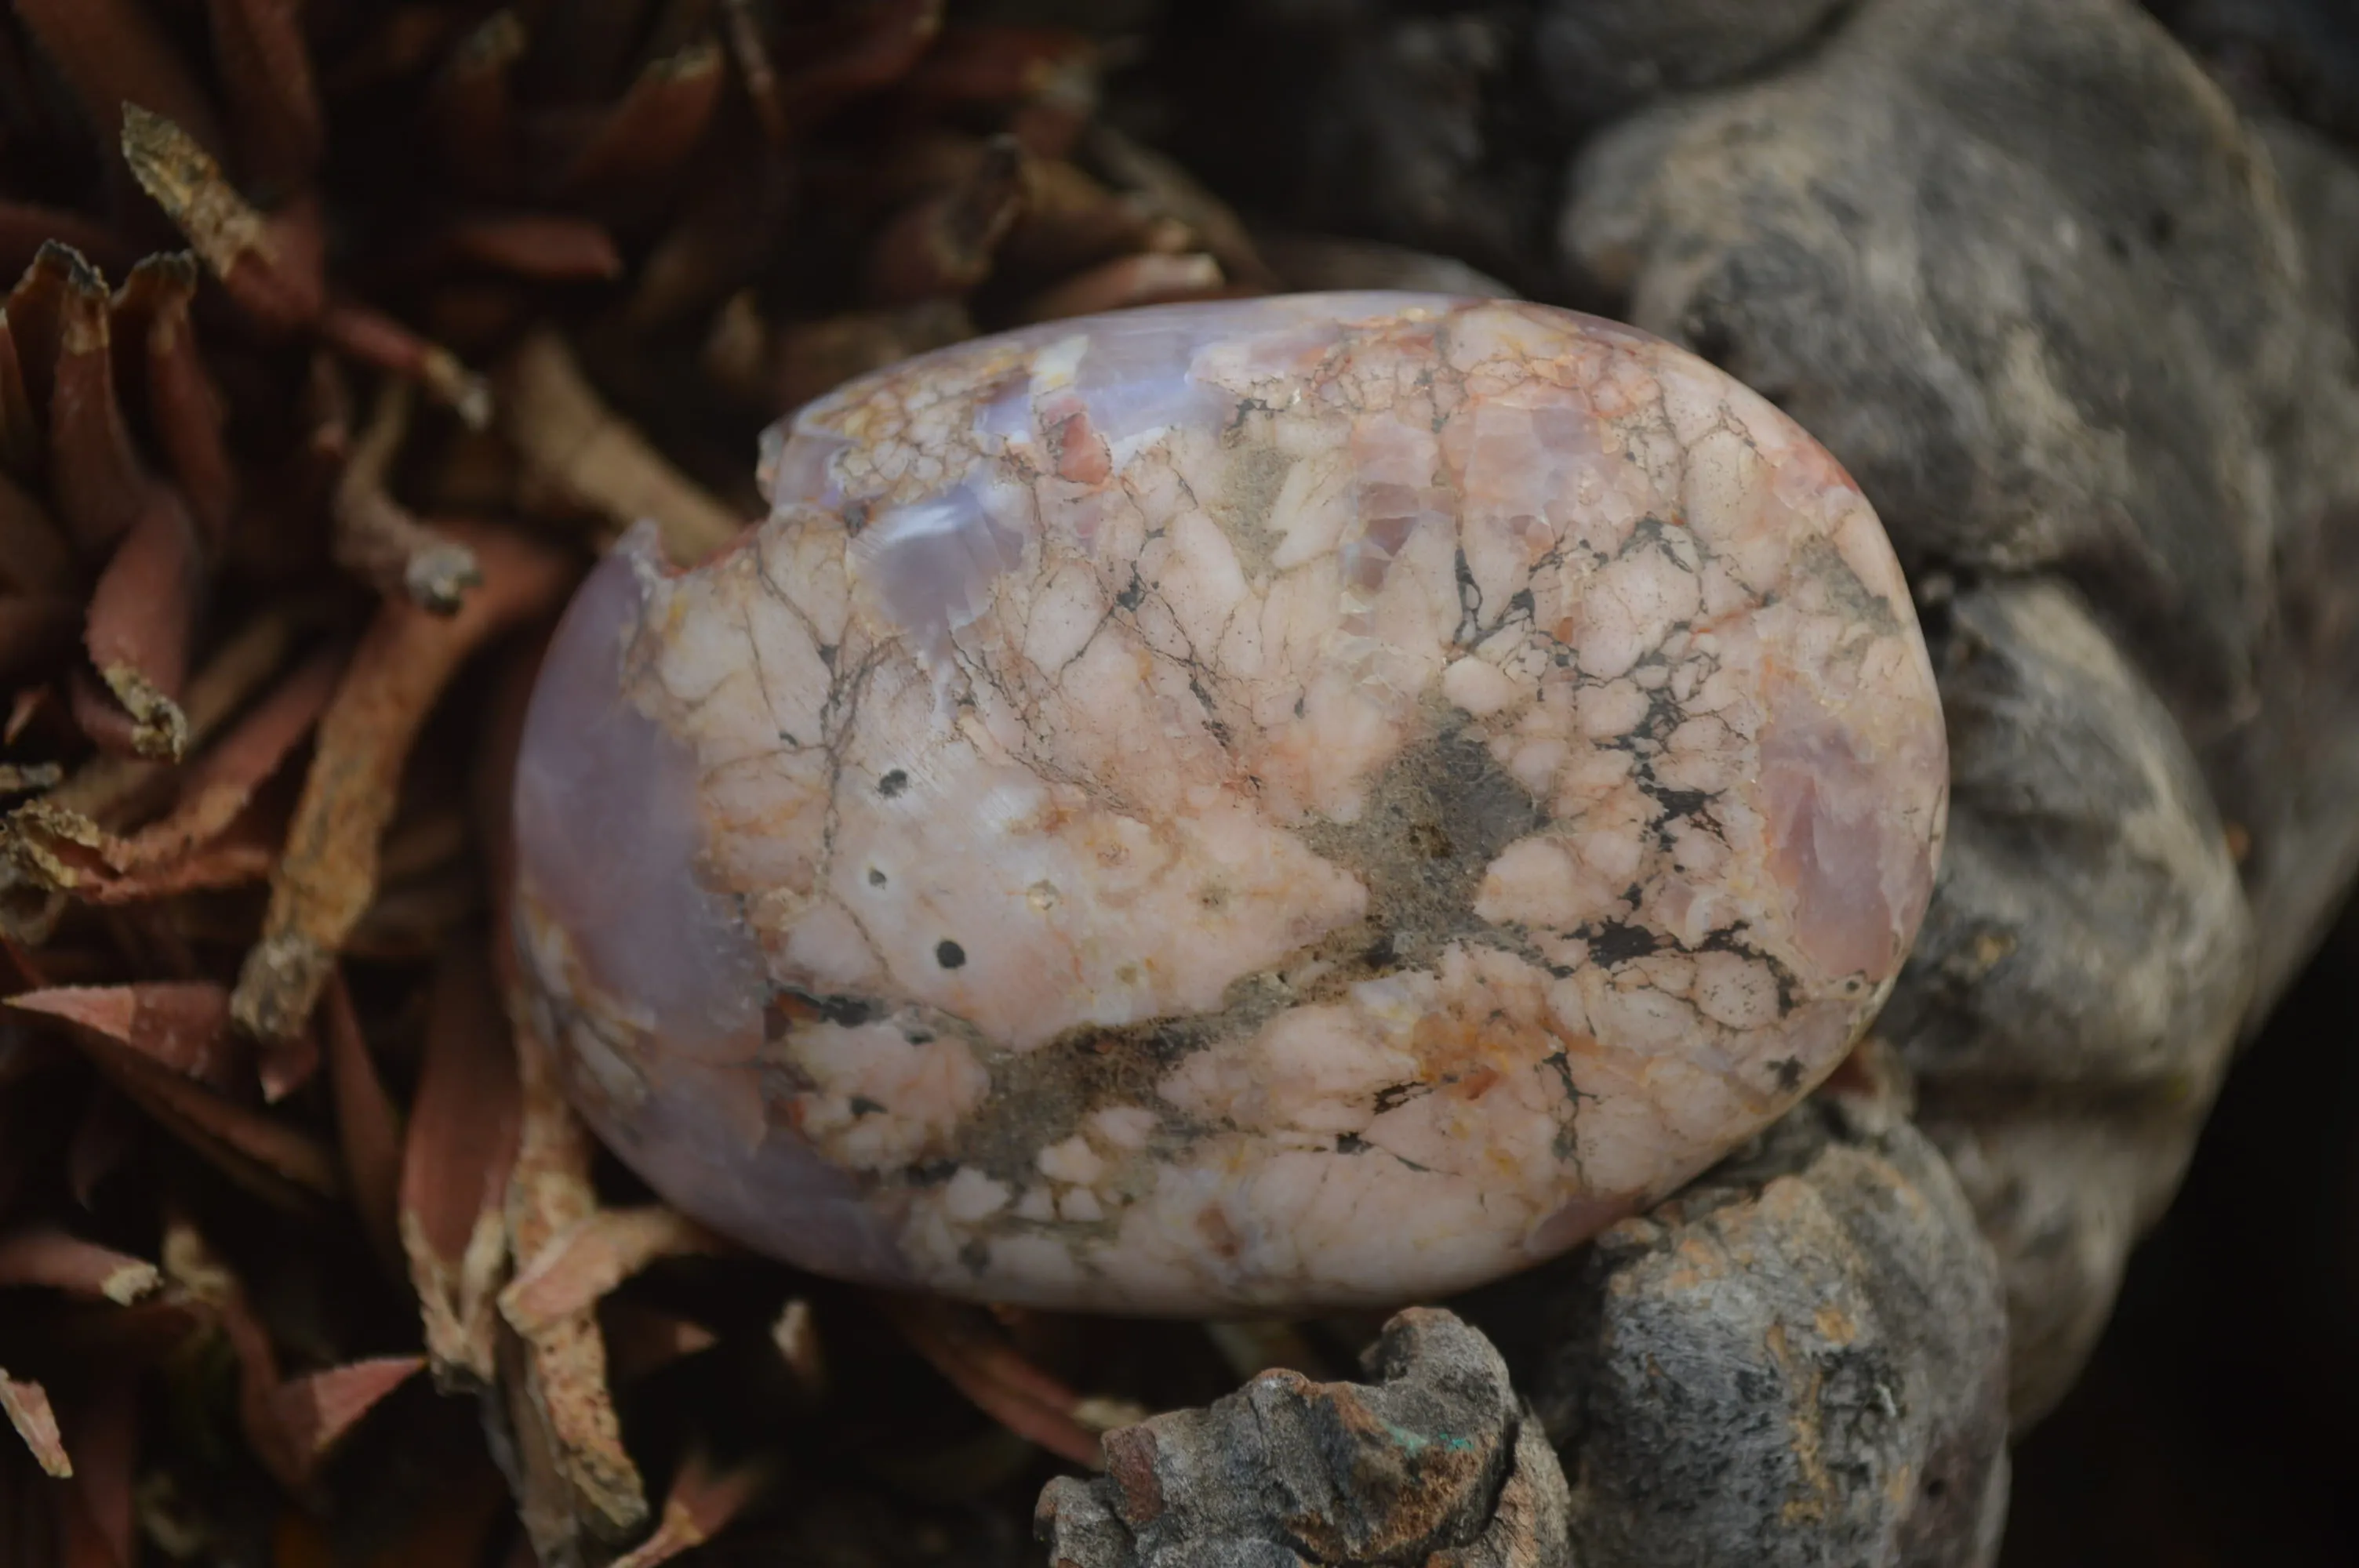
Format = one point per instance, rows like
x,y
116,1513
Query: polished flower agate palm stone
x,y
1235,808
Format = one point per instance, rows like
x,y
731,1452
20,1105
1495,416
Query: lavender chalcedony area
x,y
1271,805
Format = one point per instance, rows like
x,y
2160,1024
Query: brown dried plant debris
x,y
251,1015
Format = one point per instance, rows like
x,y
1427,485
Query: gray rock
x,y
1601,57
1799,1360
2028,272
1435,1465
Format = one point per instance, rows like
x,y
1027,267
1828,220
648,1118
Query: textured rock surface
x,y
1799,1360
1317,801
2100,363
1436,1464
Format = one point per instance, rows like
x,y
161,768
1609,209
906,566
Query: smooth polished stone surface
x,y
1230,807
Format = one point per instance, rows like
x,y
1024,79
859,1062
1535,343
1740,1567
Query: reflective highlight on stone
x,y
1266,805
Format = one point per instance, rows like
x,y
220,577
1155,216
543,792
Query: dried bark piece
x,y
577,1479
460,1145
52,1258
329,873
1437,1462
183,406
944,242
29,778
377,538
1152,278
591,1257
368,1128
266,68
119,64
572,444
377,339
701,1503
650,134
957,1342
96,478
28,1408
142,617
272,264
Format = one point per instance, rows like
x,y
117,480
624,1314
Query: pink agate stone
x,y
1232,808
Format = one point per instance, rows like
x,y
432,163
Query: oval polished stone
x,y
1230,807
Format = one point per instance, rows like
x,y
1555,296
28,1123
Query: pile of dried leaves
x,y
344,333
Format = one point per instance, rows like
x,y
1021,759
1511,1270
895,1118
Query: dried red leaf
x,y
143,616
25,229
101,1429
1165,187
873,50
538,246
960,1344
641,1338
21,441
591,1257
183,406
369,1128
454,1172
180,1024
573,445
1046,77
1072,220
648,135
1148,279
28,1408
118,62
33,555
272,264
112,789
107,1132
36,629
48,1257
474,110
945,244
220,784
96,478
701,1501
750,47
329,873
34,321
320,1408
266,68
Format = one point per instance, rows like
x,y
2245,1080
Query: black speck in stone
x,y
875,878
892,784
948,954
